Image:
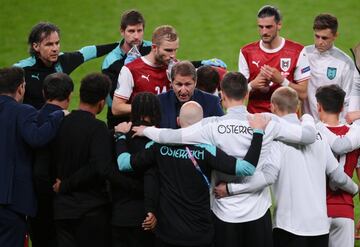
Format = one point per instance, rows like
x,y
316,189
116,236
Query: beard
x,y
159,60
268,39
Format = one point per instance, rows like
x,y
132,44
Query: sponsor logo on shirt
x,y
145,77
331,73
285,64
304,70
36,76
58,67
256,63
181,153
234,129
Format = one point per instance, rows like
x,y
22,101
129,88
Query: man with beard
x,y
272,62
147,73
132,27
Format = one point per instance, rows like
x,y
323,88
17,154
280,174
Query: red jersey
x,y
290,59
141,76
340,203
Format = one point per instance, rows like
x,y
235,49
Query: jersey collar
x,y
262,47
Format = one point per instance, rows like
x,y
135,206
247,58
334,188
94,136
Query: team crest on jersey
x,y
331,73
285,64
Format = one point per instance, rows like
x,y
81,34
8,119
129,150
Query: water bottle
x,y
168,70
132,54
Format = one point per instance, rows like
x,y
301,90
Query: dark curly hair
x,y
145,105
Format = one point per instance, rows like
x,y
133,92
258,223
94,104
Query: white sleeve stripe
x,y
303,79
302,64
125,83
121,96
243,66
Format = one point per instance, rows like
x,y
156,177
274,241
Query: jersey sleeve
x,y
222,162
125,84
195,134
70,61
341,144
102,50
140,161
38,135
302,70
337,177
92,51
283,130
261,178
243,66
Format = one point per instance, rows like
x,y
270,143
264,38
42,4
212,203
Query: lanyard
x,y
197,167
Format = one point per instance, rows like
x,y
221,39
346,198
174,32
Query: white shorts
x,y
342,232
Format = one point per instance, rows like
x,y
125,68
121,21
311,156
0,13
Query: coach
x,y
183,83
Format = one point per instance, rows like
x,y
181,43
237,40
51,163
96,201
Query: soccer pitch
x,y
206,28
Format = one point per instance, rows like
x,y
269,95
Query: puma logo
x,y
256,63
145,77
36,76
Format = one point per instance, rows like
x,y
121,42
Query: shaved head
x,y
191,112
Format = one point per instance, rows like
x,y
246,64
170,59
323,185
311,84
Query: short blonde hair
x,y
165,32
286,99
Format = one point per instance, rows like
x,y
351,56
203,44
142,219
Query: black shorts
x,y
257,233
283,238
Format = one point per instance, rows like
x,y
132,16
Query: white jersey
x,y
300,191
298,174
232,134
330,67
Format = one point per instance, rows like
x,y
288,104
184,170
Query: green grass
x,y
207,28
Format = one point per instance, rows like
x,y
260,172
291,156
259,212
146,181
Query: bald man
x,y
191,112
184,173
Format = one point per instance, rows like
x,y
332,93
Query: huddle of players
x,y
239,219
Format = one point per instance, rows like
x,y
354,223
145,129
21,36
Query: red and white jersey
x,y
340,203
141,76
289,58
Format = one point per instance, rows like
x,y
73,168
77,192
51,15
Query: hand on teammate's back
x,y
139,130
220,190
258,121
123,127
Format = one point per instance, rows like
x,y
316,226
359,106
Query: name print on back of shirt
x,y
234,129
